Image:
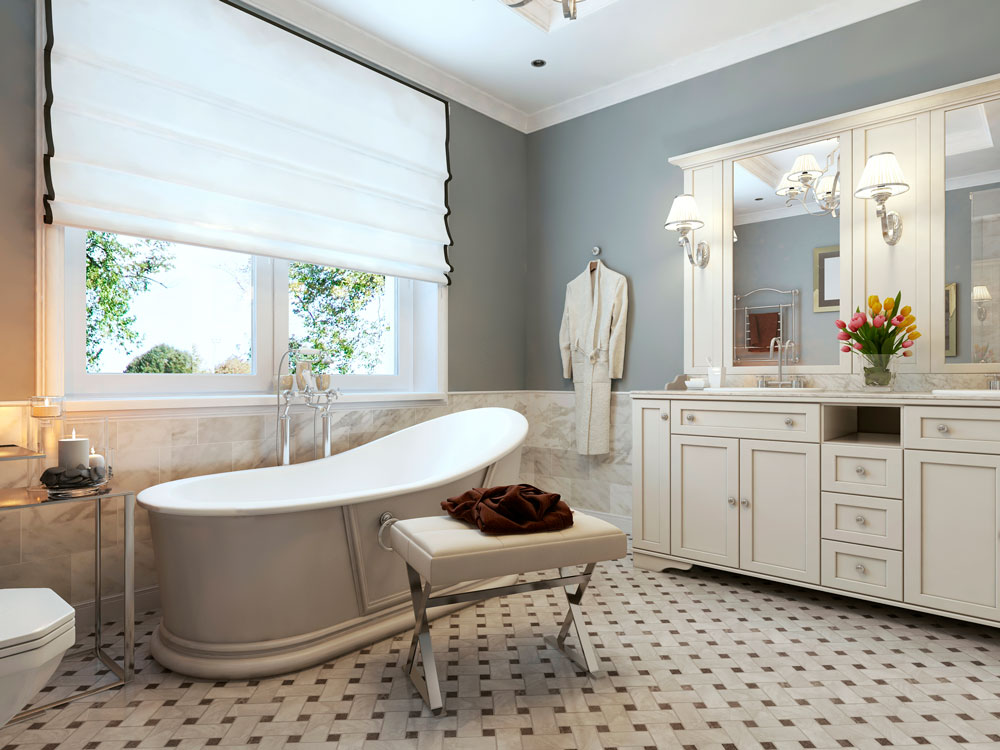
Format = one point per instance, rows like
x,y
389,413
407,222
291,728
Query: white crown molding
x,y
323,23
768,214
972,180
795,29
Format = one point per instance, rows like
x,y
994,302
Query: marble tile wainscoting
x,y
52,546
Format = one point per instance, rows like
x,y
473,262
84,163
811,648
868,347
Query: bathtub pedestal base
x,y
239,661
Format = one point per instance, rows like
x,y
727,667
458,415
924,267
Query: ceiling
x,y
478,52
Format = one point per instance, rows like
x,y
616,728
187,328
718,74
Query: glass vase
x,y
879,372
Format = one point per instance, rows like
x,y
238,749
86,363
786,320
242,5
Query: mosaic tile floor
x,y
698,659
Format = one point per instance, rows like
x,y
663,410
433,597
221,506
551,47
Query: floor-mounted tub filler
x,y
273,570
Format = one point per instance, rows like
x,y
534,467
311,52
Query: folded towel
x,y
763,328
513,509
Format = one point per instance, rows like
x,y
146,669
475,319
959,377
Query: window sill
x,y
219,401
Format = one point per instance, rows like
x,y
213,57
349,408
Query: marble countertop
x,y
833,396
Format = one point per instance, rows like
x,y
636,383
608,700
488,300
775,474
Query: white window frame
x,y
79,382
421,339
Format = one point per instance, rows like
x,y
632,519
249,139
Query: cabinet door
x,y
651,475
951,525
704,483
779,509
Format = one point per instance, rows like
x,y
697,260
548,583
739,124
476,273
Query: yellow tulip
x,y
876,308
911,328
872,300
904,310
889,304
915,335
908,320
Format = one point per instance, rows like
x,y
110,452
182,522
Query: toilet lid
x,y
30,614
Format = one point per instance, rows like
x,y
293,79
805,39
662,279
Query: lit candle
x,y
74,452
97,461
45,410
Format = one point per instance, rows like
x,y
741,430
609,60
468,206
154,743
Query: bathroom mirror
x,y
786,255
972,235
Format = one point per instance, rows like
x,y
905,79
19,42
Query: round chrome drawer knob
x,y
789,422
860,471
860,520
732,501
664,416
745,503
689,417
860,568
942,428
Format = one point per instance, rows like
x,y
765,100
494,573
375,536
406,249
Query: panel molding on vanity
x,y
887,497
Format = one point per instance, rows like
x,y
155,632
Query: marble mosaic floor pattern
x,y
698,659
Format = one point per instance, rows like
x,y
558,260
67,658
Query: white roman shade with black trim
x,y
199,122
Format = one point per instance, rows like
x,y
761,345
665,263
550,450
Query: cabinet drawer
x,y
766,421
874,521
863,569
946,428
862,470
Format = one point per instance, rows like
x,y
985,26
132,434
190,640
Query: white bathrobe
x,y
592,344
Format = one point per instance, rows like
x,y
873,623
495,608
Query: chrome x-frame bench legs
x,y
428,685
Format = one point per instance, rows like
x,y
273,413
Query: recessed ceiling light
x,y
538,63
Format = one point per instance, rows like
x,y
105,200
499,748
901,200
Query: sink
x,y
776,391
964,392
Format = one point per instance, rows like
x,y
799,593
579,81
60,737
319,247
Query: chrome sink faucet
x,y
993,382
782,360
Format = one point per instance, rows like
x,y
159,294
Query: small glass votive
x,y
323,381
46,407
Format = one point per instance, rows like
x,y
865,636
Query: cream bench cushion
x,y
444,550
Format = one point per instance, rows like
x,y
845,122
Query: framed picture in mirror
x,y
951,319
826,279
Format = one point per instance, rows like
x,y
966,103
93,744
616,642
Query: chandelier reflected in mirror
x,y
568,6
815,188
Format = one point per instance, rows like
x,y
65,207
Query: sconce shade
x,y
882,176
981,293
805,166
684,214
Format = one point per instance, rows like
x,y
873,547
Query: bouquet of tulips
x,y
884,332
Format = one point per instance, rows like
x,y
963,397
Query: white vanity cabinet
x,y
887,515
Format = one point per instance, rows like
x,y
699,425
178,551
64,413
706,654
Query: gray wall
x,y
779,254
486,321
604,178
17,199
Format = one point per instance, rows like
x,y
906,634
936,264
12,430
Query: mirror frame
x,y
710,295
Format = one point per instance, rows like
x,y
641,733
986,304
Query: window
x,y
160,318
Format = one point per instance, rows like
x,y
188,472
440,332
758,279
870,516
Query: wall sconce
x,y
684,218
881,179
981,295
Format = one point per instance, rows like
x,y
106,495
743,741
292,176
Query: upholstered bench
x,y
442,551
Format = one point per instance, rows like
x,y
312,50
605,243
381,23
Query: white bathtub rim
x,y
168,498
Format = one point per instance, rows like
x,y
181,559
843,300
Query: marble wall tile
x,y
535,460
611,467
254,454
137,468
242,428
182,461
568,463
53,573
144,432
10,537
621,499
49,531
589,494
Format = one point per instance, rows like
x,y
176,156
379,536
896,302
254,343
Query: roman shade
x,y
200,122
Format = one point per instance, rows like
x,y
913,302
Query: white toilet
x,y
36,629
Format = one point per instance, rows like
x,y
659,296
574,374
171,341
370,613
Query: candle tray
x,y
65,493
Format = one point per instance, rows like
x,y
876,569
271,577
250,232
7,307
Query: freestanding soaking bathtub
x,y
272,570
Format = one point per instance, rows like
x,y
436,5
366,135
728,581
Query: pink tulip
x,y
857,345
907,344
853,326
845,348
862,317
844,336
840,324
898,320
878,321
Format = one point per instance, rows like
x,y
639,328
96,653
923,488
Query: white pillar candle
x,y
74,452
97,461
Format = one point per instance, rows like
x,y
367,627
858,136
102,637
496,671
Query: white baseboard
x,y
622,522
111,608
